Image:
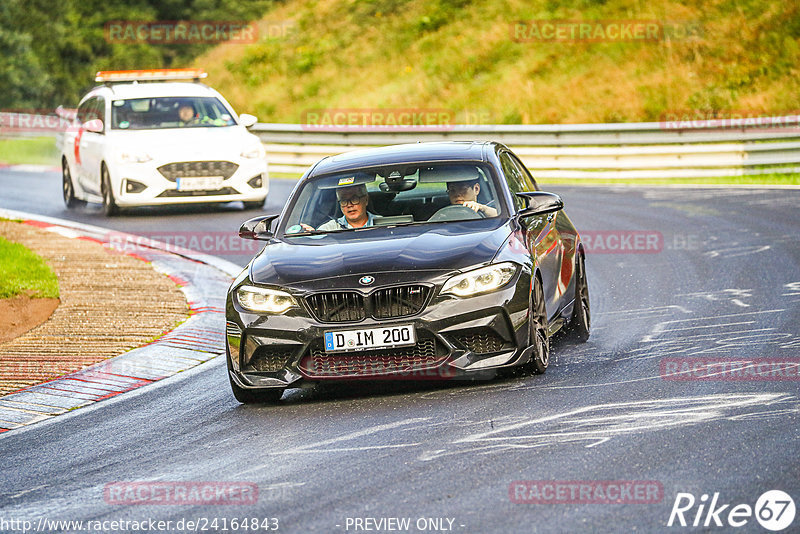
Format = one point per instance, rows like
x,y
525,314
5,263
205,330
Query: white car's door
x,y
92,146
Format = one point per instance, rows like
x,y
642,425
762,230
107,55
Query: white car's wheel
x,y
110,207
67,187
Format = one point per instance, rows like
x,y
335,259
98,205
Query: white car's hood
x,y
187,144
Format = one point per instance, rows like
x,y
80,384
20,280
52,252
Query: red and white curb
x,y
204,281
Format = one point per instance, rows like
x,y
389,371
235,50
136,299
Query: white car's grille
x,y
187,169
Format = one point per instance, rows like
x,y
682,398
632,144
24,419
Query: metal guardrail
x,y
623,150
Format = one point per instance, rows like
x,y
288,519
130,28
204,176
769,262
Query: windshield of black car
x,y
169,112
393,196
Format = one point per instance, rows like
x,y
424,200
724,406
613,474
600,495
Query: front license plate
x,y
370,338
200,183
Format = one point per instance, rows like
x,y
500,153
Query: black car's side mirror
x,y
257,227
539,203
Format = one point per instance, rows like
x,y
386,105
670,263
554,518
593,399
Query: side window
x,y
513,178
525,176
85,109
99,109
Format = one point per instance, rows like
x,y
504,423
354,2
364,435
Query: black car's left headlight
x,y
480,281
264,300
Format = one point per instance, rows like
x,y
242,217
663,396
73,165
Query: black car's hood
x,y
442,248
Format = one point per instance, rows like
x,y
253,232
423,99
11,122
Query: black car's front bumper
x,y
456,337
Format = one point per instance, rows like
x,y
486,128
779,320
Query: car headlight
x,y
253,153
263,300
134,157
483,280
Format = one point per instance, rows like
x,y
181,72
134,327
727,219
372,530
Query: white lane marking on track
x,y
658,328
655,309
706,326
318,447
704,406
344,449
733,252
23,492
599,423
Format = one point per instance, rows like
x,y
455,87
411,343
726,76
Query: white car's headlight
x,y
134,157
263,300
483,280
254,152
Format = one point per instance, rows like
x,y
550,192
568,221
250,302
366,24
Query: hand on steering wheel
x,y
455,212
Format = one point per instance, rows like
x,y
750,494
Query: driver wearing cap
x,y
465,193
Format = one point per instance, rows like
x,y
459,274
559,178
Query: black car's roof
x,y
399,154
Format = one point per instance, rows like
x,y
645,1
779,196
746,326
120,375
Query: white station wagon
x,y
146,138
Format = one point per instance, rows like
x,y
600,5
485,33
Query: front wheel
x,y
110,207
580,322
253,205
537,330
256,396
67,187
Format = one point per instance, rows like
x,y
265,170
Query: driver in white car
x,y
466,194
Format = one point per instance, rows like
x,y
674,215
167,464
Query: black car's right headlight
x,y
264,300
480,281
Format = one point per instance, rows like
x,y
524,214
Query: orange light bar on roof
x,y
151,75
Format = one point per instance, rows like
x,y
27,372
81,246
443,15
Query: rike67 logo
x,y
774,510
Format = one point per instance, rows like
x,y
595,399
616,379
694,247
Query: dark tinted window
x,y
516,182
525,176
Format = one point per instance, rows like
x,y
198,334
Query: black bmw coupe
x,y
407,262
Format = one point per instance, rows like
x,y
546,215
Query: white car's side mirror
x,y
94,125
247,120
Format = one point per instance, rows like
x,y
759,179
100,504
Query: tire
x,y
110,207
537,330
580,322
254,396
254,205
67,187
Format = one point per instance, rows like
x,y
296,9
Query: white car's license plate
x,y
370,338
200,183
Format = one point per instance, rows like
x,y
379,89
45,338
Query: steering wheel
x,y
454,213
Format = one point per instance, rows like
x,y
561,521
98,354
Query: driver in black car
x,y
466,194
353,201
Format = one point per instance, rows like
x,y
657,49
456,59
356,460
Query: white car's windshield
x,y
169,112
427,193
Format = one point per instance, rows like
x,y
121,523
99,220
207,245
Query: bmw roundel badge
x,y
366,280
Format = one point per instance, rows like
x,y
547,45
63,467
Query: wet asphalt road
x,y
724,283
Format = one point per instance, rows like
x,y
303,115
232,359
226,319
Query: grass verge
x,y
24,272
29,150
